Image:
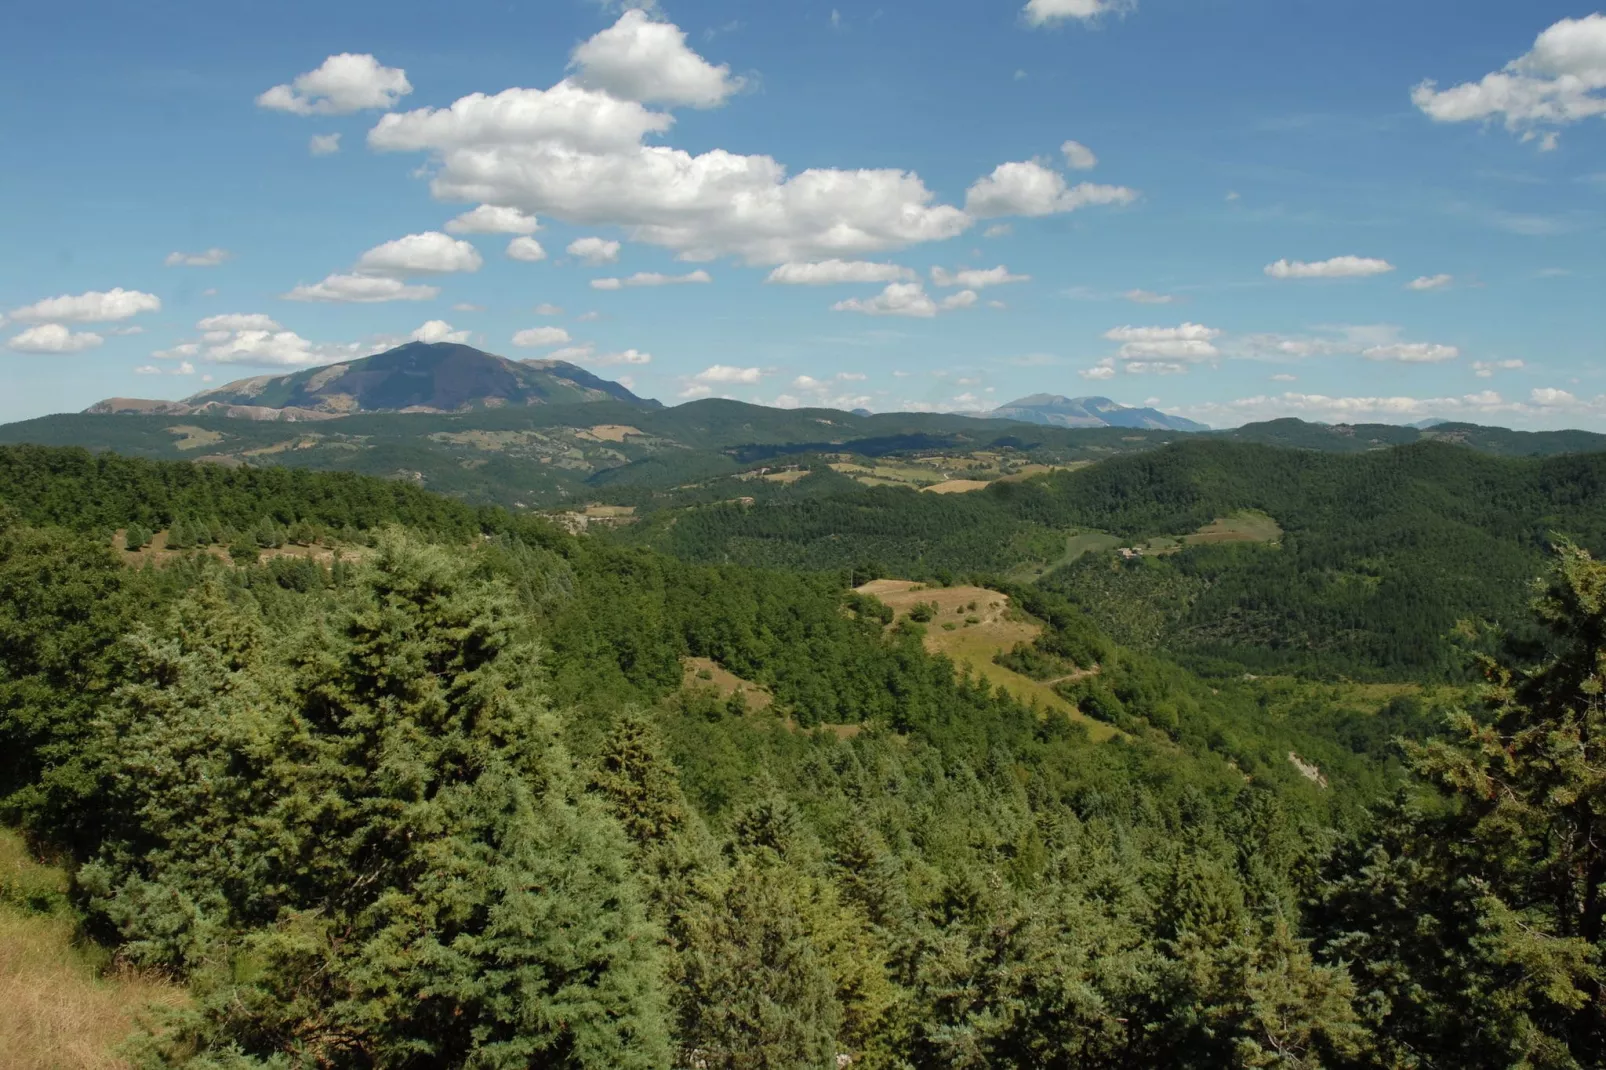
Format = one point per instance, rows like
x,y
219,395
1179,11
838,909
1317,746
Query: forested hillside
x,y
386,780
1381,554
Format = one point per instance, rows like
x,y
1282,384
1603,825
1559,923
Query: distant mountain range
x,y
1055,410
424,377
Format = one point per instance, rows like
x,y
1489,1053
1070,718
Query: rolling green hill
x,y
1380,555
441,783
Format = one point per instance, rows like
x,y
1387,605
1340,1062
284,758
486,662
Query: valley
x,y
718,677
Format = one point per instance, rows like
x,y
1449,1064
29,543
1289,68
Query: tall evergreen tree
x,y
382,822
1475,917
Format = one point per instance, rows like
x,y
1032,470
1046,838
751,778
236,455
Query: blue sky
x,y
1234,209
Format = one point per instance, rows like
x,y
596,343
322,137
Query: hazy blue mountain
x,y
1058,411
417,377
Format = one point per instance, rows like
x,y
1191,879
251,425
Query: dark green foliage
x,y
402,868
1477,917
1382,553
449,805
98,492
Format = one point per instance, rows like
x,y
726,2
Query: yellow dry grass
x,y
710,675
192,438
790,476
609,512
57,1011
610,433
957,486
1240,527
973,646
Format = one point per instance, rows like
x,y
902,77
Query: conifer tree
x,y
1475,919
638,782
384,822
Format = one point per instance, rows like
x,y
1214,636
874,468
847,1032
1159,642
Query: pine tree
x,y
759,995
1476,919
384,822
638,782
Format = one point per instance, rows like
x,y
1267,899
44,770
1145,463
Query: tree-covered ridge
x,y
446,804
1381,554
561,452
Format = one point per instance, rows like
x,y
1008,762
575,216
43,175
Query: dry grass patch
x,y
957,486
193,438
709,675
60,1011
1240,527
978,635
610,433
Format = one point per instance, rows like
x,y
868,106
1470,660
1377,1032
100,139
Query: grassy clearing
x,y
1091,542
1239,527
957,486
711,676
62,1009
981,629
610,433
193,438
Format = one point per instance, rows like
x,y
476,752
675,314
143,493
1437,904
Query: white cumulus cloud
x,y
1559,81
361,289
595,251
832,272
1339,267
627,356
238,321
1412,353
1029,188
1189,343
1485,369
439,331
579,154
208,258
644,60
272,349
727,375
652,278
536,337
93,307
429,253
343,84
975,279
54,338
323,144
1431,282
962,299
526,249
493,219
1147,297
898,299
1078,157
1049,12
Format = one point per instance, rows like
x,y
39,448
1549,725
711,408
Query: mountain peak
x,y
415,377
1056,410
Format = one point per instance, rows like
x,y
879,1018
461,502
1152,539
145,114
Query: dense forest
x,y
1381,554
387,780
